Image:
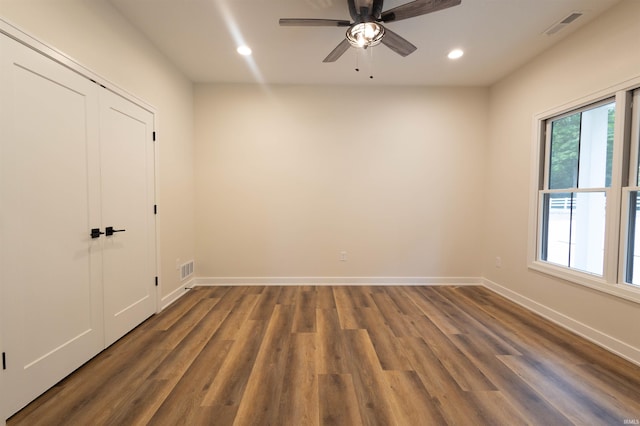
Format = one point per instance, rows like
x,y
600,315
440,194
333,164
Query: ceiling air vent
x,y
563,23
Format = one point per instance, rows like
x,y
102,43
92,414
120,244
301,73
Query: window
x,y
631,200
577,175
586,194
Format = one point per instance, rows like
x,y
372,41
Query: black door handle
x,y
95,233
110,231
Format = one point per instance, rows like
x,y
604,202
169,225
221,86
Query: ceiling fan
x,y
367,30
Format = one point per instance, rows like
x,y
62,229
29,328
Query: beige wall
x,y
96,36
290,176
598,56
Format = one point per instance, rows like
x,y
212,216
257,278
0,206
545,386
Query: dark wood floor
x,y
345,356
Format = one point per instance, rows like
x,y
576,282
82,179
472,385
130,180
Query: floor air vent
x,y
186,270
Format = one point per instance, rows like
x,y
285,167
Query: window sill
x,y
624,291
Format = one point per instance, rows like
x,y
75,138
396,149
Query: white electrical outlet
x,y
343,256
498,262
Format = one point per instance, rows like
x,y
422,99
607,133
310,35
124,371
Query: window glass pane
x,y
565,145
587,232
557,228
611,121
636,126
633,241
582,149
596,146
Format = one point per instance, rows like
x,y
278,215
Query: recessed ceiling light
x,y
244,50
455,54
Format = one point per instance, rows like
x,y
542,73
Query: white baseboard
x,y
176,294
235,281
601,339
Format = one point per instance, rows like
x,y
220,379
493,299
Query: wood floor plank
x,y
421,297
230,382
338,404
415,405
142,405
346,309
174,365
325,298
445,306
237,317
180,406
461,369
392,315
368,379
231,298
266,303
331,354
458,408
174,335
436,377
403,301
260,400
299,403
304,319
472,317
494,408
388,348
360,296
175,312
288,295
111,392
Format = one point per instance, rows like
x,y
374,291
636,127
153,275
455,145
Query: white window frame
x,y
632,183
625,158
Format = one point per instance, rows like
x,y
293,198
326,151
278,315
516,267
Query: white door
x,y
50,277
127,151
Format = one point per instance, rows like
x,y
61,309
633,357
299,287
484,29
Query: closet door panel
x,y
52,311
127,150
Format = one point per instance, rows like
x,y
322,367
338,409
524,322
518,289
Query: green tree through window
x,y
565,149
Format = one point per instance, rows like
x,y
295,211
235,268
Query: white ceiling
x,y
498,36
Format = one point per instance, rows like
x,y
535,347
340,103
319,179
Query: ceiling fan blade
x,y
396,43
286,22
417,8
338,51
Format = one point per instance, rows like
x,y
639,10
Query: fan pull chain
x,y
367,60
370,64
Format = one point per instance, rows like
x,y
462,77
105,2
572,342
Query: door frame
x,y
9,30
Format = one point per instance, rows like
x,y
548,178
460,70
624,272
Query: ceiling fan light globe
x,y
365,34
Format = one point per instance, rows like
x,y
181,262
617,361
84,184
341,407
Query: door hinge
x,y
156,281
4,361
154,136
155,209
